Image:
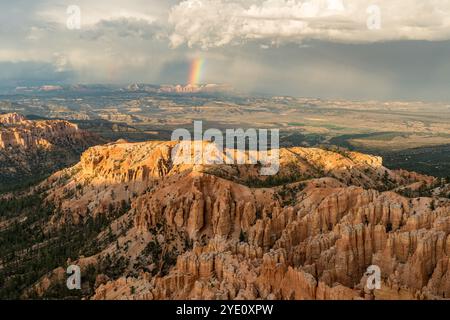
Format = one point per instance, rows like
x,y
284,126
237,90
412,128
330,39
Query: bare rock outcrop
x,y
31,149
313,237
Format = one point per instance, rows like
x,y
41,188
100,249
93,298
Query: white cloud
x,y
215,23
93,12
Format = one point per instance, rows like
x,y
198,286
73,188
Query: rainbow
x,y
195,71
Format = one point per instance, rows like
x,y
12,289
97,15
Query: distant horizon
x,y
232,92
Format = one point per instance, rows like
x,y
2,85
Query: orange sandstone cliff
x,y
35,148
223,232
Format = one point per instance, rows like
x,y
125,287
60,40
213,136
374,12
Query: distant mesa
x,y
189,88
135,87
50,88
194,88
45,88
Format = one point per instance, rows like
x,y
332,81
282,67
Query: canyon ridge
x,y
141,227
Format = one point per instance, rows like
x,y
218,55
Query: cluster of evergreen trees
x,y
28,251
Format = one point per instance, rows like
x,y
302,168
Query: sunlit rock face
x,y
11,118
21,133
224,232
30,148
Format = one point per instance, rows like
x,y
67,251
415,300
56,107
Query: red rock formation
x,y
21,133
311,239
11,118
29,149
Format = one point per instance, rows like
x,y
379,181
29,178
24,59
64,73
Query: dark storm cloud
x,y
394,70
256,46
31,73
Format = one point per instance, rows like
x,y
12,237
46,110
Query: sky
x,y
361,49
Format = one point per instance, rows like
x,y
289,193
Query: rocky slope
x,y
34,148
223,232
